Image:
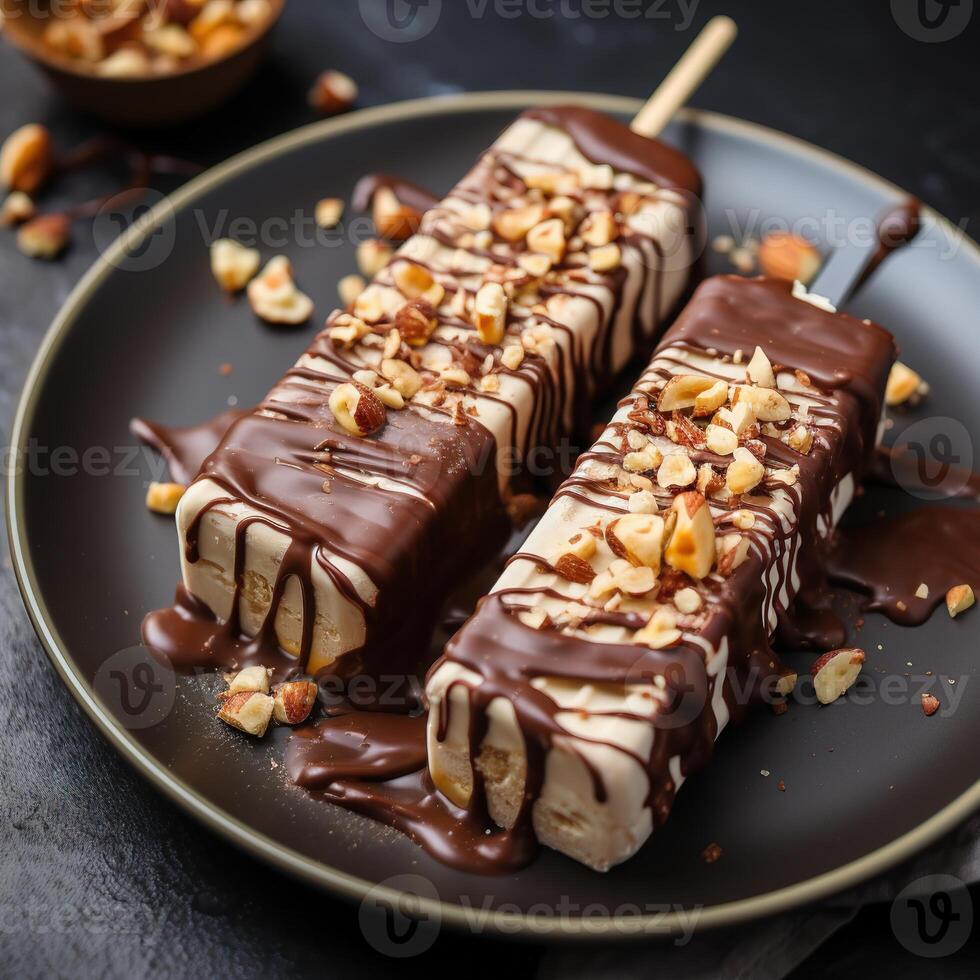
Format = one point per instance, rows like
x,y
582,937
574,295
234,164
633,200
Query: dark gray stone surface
x,y
99,875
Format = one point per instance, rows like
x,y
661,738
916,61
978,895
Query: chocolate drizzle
x,y
890,558
185,449
895,228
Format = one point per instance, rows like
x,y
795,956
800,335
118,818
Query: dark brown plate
x,y
868,780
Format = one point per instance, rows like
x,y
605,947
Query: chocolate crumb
x,y
711,853
780,707
781,786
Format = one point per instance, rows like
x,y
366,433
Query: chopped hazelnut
x,y
745,473
691,548
681,391
162,498
17,208
606,258
372,256
902,384
638,538
26,158
490,312
248,711
232,264
835,672
358,409
328,212
333,92
958,599
274,296
255,678
45,236
783,255
350,287
548,237
293,702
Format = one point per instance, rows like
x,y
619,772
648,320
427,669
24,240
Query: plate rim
x,y
342,884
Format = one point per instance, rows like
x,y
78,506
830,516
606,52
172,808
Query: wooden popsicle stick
x,y
714,40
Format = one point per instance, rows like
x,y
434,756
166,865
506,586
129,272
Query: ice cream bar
x,y
637,620
325,530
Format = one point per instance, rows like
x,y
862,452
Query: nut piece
x,y
959,599
26,158
642,502
835,672
293,702
766,404
676,470
548,238
687,600
745,473
392,219
125,63
45,236
490,312
162,498
598,228
514,223
692,545
358,410
786,683
638,538
328,212
682,390
350,287
255,678
660,631
248,711
581,545
415,282
333,92
17,208
537,266
574,569
759,370
347,329
274,297
415,322
783,255
605,258
902,384
403,377
372,256
512,356
710,399
232,264
720,440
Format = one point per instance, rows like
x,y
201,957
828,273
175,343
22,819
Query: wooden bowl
x,y
142,102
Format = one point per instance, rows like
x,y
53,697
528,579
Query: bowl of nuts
x,y
143,62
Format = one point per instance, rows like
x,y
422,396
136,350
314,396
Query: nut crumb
x,y
711,853
930,704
